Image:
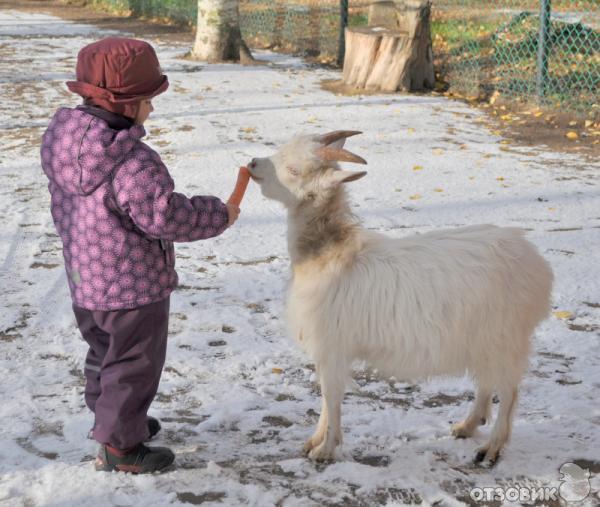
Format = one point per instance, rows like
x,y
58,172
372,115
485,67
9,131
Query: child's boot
x,y
138,460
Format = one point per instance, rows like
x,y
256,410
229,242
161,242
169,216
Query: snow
x,y
238,398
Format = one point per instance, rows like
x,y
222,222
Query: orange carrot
x,y
240,187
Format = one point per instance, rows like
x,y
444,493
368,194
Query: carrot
x,y
240,187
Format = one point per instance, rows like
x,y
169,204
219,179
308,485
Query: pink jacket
x,y
114,207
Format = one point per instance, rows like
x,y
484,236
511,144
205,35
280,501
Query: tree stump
x,y
392,58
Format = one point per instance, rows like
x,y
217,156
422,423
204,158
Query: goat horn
x,y
339,154
332,137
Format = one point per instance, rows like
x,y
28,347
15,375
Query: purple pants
x,y
123,368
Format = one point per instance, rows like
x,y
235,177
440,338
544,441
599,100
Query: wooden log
x,y
389,59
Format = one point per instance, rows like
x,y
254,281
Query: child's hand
x,y
234,213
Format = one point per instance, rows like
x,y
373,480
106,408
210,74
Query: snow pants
x,y
123,368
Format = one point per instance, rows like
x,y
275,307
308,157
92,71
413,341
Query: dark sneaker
x,y
153,427
139,460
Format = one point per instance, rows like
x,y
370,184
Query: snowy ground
x,y
237,398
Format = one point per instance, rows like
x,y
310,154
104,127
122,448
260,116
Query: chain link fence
x,y
546,51
534,50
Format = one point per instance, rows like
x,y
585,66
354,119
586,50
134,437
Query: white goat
x,y
440,303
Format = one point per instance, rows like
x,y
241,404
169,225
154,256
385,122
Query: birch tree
x,y
218,35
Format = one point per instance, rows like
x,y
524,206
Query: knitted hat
x,y
117,73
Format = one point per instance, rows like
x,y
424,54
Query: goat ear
x,y
339,177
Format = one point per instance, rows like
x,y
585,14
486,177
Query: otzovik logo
x,y
574,487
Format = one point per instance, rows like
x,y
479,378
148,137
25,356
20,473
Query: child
x,y
114,207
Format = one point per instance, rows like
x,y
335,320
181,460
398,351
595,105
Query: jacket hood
x,y
80,151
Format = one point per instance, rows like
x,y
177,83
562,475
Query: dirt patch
x,y
276,420
193,499
524,124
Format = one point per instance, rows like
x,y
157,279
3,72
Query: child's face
x,y
144,110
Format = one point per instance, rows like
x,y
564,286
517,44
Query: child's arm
x,y
144,190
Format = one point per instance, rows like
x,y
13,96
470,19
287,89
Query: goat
x,y
448,302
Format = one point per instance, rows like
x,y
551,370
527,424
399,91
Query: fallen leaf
x,y
417,168
278,371
563,315
572,135
438,151
438,189
414,197
500,178
572,123
411,130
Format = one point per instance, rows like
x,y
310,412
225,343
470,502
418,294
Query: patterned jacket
x,y
114,208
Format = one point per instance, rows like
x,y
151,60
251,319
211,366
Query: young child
x,y
115,210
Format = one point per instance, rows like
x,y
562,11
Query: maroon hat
x,y
117,73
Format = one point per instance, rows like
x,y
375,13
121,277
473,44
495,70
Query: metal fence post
x,y
343,25
543,43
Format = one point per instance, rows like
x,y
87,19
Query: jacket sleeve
x,y
144,190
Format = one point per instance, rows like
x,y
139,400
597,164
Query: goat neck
x,y
321,228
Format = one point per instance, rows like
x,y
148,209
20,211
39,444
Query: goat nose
x,y
253,163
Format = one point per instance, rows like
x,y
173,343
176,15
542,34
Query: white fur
x,y
448,302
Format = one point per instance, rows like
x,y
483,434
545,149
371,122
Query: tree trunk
x,y
392,58
218,35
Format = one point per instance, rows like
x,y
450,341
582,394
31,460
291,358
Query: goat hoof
x,y
460,430
307,447
480,456
486,458
321,453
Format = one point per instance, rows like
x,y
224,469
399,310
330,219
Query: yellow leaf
x,y
411,130
551,209
438,151
278,371
572,123
248,130
572,135
438,189
563,315
417,168
538,114
500,178
415,197
588,123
